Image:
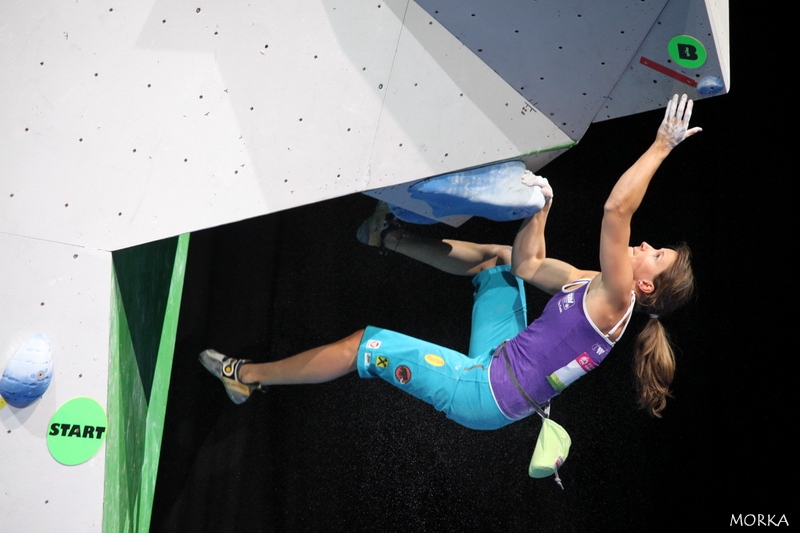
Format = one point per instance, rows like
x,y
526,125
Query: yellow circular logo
x,y
434,360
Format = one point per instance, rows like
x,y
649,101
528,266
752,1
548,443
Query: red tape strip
x,y
667,71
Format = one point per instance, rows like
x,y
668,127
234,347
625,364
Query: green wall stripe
x,y
138,376
160,391
551,149
127,409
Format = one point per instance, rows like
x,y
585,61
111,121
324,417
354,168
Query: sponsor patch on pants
x,y
403,374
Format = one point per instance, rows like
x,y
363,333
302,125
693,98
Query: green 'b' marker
x,y
687,51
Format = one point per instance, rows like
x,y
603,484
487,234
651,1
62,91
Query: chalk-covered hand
x,y
675,126
532,180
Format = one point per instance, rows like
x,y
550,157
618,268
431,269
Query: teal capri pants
x,y
453,383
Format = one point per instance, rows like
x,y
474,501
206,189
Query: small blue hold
x,y
27,376
710,85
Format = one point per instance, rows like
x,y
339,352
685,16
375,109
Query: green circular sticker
x,y
76,431
687,51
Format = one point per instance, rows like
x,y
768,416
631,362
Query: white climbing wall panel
x,y
63,292
134,122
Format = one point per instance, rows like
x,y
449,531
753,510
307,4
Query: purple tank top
x,y
553,351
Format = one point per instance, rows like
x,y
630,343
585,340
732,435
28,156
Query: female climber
x,y
587,314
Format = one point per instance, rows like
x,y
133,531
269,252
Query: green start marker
x,y
77,430
687,51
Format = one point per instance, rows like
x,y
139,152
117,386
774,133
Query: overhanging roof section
x,y
129,124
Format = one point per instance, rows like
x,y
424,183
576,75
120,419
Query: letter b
x,y
687,52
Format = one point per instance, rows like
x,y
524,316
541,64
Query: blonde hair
x,y
653,354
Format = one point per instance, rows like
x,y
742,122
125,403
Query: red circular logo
x,y
403,374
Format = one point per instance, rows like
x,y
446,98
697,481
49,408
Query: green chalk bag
x,y
552,449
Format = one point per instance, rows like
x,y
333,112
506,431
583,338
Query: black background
x,y
360,455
